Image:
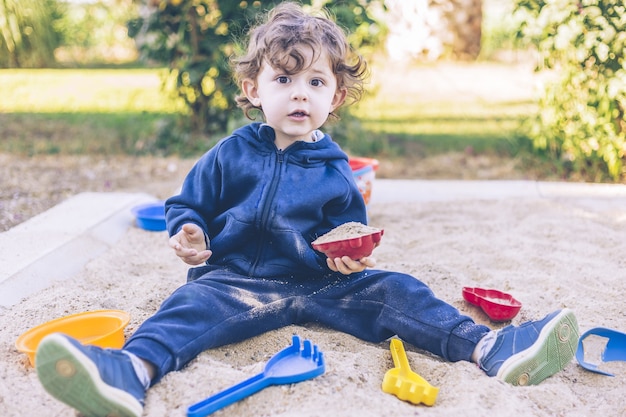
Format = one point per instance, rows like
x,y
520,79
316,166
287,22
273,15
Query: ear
x,y
338,99
249,88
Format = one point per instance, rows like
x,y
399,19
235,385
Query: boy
x,y
248,211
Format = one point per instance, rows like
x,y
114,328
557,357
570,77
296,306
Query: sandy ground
x,y
548,253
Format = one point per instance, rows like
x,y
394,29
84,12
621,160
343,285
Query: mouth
x,y
298,113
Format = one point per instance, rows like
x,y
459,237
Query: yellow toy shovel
x,y
405,384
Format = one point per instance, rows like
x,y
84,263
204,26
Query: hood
x,y
261,136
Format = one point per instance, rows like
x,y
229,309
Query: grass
x,y
84,91
443,127
125,111
447,116
83,110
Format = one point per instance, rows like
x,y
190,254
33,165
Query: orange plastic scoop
x,y
405,384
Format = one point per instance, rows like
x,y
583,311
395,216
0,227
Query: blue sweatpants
x,y
217,307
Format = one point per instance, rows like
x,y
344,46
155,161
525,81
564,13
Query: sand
x,y
350,230
547,253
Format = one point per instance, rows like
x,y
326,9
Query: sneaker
x,y
533,351
97,382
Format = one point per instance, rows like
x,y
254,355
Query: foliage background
x,y
196,38
29,32
580,124
576,131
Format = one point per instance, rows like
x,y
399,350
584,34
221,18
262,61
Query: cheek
x,y
332,102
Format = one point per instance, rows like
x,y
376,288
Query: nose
x,y
298,92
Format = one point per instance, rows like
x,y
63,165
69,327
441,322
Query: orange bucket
x,y
104,328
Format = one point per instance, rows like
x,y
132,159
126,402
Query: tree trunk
x,y
465,19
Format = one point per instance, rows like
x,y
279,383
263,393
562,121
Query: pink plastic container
x,y
355,248
498,305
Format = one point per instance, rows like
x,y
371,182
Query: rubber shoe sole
x,y
554,349
72,378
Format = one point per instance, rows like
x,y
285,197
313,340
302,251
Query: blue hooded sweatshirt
x,y
261,207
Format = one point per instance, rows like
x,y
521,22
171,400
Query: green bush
x,y
580,124
196,38
29,32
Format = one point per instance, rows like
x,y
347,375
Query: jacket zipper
x,y
265,212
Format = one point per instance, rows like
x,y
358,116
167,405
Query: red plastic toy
x,y
355,248
498,305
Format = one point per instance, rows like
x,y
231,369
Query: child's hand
x,y
189,245
347,266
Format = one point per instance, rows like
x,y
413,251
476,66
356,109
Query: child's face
x,y
295,105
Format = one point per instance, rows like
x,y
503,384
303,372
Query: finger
x,y
186,252
350,263
368,261
342,267
198,259
190,260
331,265
204,255
191,229
174,243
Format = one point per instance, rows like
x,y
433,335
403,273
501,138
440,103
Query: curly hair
x,y
280,41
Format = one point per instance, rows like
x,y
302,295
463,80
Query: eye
x,y
316,82
282,79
